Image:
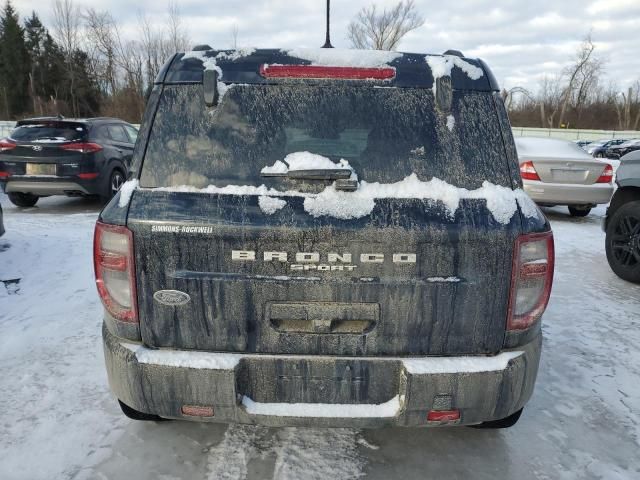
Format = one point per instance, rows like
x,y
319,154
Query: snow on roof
x,y
337,57
211,62
549,147
441,66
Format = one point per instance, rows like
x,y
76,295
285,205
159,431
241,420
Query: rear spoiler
x,y
411,69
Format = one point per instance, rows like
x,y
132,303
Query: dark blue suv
x,y
74,157
324,237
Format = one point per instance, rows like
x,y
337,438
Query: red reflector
x,y
533,270
528,171
443,416
82,147
112,261
6,145
607,175
4,174
197,411
317,71
87,176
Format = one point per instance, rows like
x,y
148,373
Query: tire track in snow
x,y
308,453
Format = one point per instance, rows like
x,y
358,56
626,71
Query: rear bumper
x,y
161,382
52,186
568,194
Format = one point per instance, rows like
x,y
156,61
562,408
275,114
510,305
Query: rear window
x,y
384,133
49,132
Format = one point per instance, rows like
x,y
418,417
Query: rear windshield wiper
x,y
315,174
342,177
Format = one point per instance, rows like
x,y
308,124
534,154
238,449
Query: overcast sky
x,y
520,40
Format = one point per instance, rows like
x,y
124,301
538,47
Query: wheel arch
x,y
623,195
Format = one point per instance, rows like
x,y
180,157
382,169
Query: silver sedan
x,y
558,172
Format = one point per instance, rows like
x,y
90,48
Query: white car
x,y
559,172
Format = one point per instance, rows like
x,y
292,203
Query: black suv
x,y
56,156
622,222
324,237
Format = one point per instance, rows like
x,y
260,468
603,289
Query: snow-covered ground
x,y
59,421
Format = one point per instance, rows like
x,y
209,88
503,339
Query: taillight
x,y
318,71
531,279
528,171
6,144
114,269
82,147
4,174
88,176
607,175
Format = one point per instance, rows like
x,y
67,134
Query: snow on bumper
x,y
277,390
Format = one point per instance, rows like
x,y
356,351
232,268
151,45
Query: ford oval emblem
x,y
171,297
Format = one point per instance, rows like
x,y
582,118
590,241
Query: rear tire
x,y
507,422
623,242
116,180
579,211
140,416
23,200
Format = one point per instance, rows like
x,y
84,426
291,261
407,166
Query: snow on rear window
x,y
305,161
501,201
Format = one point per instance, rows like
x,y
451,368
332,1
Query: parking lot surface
x,y
59,421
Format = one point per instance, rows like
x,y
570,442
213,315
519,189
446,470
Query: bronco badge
x,y
171,297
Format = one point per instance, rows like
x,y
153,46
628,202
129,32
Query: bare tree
x,y
372,29
158,44
66,30
178,38
101,45
234,36
579,79
624,103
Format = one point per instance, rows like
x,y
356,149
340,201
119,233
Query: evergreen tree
x,y
87,89
46,75
14,64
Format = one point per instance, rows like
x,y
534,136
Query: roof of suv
x,y
65,119
250,66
